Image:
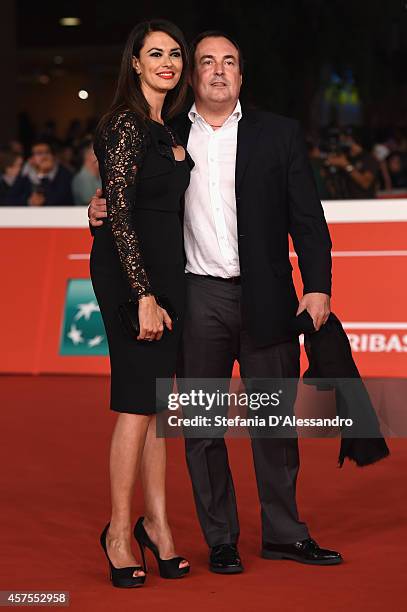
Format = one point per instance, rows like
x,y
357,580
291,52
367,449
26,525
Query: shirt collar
x,y
194,115
36,178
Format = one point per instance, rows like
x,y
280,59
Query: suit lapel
x,y
247,133
248,130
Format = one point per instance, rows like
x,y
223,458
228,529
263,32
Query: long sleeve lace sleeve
x,y
125,147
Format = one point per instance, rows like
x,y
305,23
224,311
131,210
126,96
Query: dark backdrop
x,y
290,46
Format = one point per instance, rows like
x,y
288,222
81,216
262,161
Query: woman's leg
x,y
126,450
153,468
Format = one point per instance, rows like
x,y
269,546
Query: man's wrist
x,y
325,290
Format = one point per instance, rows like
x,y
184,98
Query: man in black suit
x,y
251,187
43,181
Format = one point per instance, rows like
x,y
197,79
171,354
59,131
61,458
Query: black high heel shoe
x,y
122,576
168,568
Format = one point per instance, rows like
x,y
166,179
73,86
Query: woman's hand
x,y
152,319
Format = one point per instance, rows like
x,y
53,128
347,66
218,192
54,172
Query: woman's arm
x,y
125,150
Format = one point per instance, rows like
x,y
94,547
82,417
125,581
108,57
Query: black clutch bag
x,y
128,314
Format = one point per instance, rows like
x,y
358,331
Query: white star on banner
x,y
95,341
75,335
86,310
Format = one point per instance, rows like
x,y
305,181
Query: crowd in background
x,y
42,169
46,170
349,164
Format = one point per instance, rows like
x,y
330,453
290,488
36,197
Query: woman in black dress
x,y
138,255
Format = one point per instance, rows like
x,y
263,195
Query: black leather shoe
x,y
305,551
224,559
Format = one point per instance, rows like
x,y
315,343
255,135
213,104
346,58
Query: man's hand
x,y
339,161
318,306
97,209
36,199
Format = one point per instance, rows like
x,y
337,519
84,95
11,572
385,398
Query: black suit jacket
x,y
276,196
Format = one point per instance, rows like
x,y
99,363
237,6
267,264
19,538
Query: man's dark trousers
x,y
213,338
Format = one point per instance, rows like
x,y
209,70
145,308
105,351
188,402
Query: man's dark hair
x,y
7,159
43,141
214,34
85,146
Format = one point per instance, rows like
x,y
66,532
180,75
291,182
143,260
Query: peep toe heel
x,y
122,577
168,568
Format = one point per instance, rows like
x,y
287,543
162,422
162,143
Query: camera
x,y
331,144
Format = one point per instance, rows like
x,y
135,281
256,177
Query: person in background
x,y
15,146
74,134
381,152
318,168
357,169
67,157
48,133
87,180
398,141
43,182
10,167
39,149
397,167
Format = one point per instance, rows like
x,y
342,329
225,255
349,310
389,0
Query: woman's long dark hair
x,y
129,95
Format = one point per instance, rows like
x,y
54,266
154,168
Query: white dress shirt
x,y
210,220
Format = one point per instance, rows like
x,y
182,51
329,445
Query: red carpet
x,y
54,448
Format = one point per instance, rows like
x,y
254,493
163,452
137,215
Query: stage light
x,y
58,59
44,79
83,94
70,21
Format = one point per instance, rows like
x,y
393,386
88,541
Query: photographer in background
x,y
397,166
352,172
44,182
10,168
319,170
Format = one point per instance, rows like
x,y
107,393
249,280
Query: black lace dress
x,y
139,251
